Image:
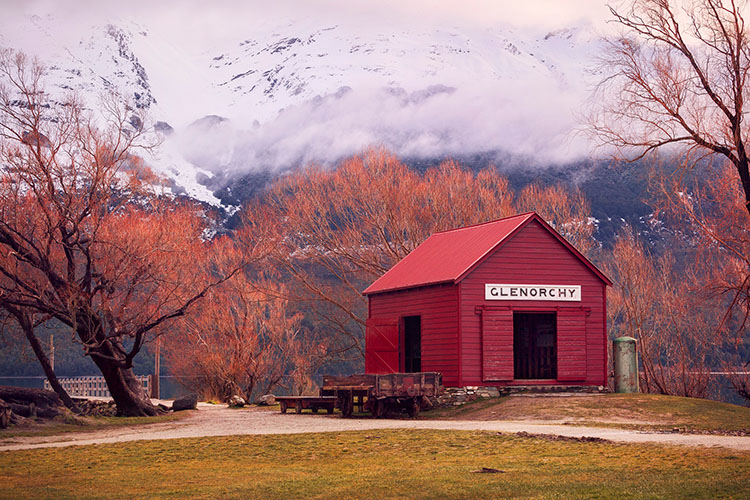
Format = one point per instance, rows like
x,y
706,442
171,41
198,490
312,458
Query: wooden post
x,y
52,351
155,378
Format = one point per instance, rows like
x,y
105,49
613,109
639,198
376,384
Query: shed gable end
x,y
532,236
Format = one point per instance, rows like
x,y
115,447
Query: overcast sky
x,y
480,115
200,21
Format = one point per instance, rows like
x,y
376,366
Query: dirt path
x,y
217,420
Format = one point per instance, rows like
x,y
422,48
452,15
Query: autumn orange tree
x,y
336,230
84,237
675,81
709,212
667,311
244,341
677,76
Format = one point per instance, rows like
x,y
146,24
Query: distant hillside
x,y
618,192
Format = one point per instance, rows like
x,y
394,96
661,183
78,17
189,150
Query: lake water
x,y
170,389
168,386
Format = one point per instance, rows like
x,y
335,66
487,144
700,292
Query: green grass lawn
x,y
374,464
642,411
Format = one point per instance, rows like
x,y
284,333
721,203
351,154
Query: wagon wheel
x,y
377,407
347,405
298,406
283,407
330,409
414,408
315,409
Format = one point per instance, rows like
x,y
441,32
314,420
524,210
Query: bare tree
x,y
677,81
244,341
28,320
342,228
668,314
83,237
678,76
710,214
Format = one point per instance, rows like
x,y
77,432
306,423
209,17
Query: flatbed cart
x,y
380,393
313,403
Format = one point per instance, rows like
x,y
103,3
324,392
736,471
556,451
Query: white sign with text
x,y
567,293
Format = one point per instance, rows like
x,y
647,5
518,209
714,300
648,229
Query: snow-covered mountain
x,y
274,95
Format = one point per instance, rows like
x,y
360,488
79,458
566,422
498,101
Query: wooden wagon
x,y
380,393
313,403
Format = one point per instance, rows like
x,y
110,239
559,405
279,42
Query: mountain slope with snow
x,y
298,91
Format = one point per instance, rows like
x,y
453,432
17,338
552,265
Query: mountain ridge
x,y
305,91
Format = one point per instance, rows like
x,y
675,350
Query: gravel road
x,y
218,420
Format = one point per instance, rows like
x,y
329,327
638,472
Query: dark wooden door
x,y
534,345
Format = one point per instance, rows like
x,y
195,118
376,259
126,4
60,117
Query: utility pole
x,y
155,378
52,350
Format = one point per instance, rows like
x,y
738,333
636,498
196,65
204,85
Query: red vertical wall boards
x,y
507,302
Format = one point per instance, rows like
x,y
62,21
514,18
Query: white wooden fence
x,y
84,387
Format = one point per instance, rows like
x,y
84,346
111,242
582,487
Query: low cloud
x,y
527,120
485,77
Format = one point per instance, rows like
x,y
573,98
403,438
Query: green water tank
x,y
626,364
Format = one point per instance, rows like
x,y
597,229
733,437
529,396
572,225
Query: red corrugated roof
x,y
447,256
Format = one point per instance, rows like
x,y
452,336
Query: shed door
x,y
534,347
381,345
571,345
497,345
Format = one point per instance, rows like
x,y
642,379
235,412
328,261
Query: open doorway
x,y
535,345
412,344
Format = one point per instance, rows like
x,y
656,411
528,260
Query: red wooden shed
x,y
507,302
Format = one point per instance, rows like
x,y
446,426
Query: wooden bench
x,y
313,403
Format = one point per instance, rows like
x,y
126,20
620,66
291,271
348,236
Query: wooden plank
x,y
382,345
311,399
497,345
571,346
361,380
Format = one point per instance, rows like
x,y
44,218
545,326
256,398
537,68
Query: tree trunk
x,y
28,329
743,169
27,395
36,346
127,391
